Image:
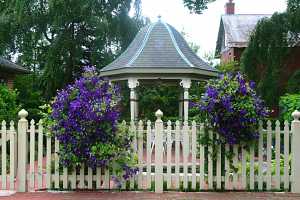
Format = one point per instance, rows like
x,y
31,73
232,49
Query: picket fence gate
x,y
169,158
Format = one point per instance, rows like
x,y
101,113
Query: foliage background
x,y
8,104
55,38
269,46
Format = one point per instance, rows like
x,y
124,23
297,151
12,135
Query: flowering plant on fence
x,y
85,116
233,108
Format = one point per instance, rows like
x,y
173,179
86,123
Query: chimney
x,y
229,8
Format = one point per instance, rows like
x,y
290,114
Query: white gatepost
x,y
132,84
159,152
22,150
186,84
296,152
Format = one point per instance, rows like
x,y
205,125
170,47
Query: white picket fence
x,y
169,158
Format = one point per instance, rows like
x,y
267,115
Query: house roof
x,y
235,30
8,66
158,49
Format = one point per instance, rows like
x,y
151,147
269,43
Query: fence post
x,y
158,152
296,152
22,150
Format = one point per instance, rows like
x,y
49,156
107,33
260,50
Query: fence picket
x,y
149,152
169,154
244,170
90,178
73,179
277,157
32,154
202,158
40,154
286,155
106,183
65,178
227,168
3,157
140,141
269,155
219,181
177,154
56,164
210,163
260,158
48,162
235,164
98,178
194,152
185,153
12,155
134,146
81,177
252,174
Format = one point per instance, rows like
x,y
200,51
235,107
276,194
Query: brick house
x,y
234,33
8,72
233,37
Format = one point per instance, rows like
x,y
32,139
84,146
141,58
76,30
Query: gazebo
x,y
159,53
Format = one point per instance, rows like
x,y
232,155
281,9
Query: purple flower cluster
x,y
233,108
85,116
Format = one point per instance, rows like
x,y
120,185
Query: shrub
x,y
8,105
288,104
293,85
233,108
85,118
29,95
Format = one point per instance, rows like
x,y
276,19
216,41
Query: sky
x,y
203,29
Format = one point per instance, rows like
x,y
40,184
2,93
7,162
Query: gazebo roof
x,y
159,51
8,66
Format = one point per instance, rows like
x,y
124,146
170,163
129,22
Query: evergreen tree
x,y
55,38
269,46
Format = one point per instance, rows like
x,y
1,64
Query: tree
x,y
197,6
29,96
269,46
55,38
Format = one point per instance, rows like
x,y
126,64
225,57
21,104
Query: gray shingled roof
x,y
7,66
158,48
235,30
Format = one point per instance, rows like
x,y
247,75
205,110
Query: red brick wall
x,y
227,56
9,79
292,65
230,8
292,62
232,54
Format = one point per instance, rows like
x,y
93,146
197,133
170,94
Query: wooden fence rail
x,y
169,157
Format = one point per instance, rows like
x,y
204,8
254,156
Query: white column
x,y
136,107
296,152
180,105
132,84
186,84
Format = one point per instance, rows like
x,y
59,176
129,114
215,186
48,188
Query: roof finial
x,y
159,18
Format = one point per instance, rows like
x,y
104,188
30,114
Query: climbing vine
x,y
233,111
